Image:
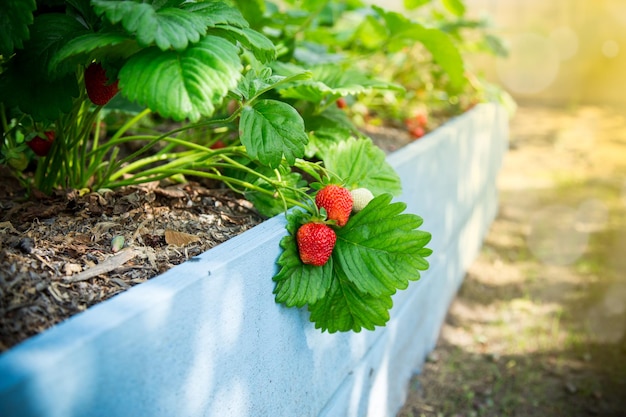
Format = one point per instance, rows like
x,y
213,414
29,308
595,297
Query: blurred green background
x,y
562,52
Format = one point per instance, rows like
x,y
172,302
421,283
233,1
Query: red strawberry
x,y
417,131
99,90
342,103
41,146
315,243
337,201
421,119
219,144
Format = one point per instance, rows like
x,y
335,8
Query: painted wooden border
x,y
207,339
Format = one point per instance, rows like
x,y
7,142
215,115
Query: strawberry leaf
x,y
252,10
379,250
217,13
362,164
42,99
85,48
271,130
258,82
344,308
184,84
262,48
27,82
15,17
166,28
455,7
404,32
414,4
298,284
326,130
444,52
328,82
48,34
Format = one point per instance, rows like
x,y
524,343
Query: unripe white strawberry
x,y
360,198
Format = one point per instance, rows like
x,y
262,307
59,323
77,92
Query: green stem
x,y
223,178
5,123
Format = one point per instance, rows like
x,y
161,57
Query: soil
x,y
63,253
538,327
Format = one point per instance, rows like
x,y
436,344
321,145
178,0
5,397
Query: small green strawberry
x,y
98,87
337,201
361,198
315,243
17,161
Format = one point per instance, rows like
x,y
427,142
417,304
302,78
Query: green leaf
x,y
262,48
271,130
252,10
443,50
371,33
379,249
256,83
15,16
298,284
83,11
414,4
217,13
456,7
167,27
495,46
49,33
95,46
332,82
43,99
395,22
326,130
360,163
345,308
184,84
28,83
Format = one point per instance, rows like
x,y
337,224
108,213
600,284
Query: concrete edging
x,y
207,339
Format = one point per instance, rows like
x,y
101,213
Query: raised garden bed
x,y
207,337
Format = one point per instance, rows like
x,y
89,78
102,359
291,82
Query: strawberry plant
x,y
264,98
348,285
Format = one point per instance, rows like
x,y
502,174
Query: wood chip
x,y
107,265
174,238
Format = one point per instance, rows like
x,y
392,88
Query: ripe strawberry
x,y
421,119
315,243
342,103
417,131
99,90
417,124
361,198
41,146
219,144
337,201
